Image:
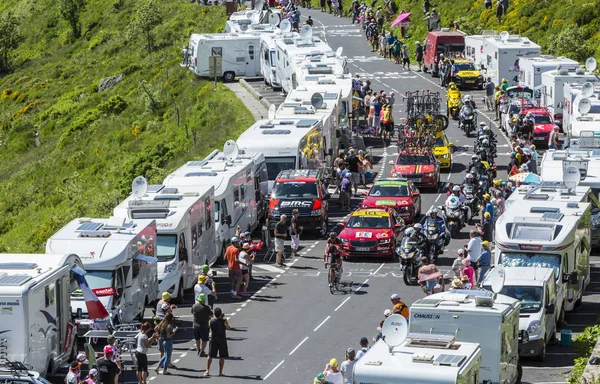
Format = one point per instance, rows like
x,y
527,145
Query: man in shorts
x,y
346,191
232,255
201,314
218,341
280,235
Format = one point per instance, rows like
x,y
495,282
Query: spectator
x,y
466,284
332,372
468,272
364,347
92,377
280,235
457,265
348,366
232,255
456,284
143,343
209,282
429,276
553,138
354,163
473,251
345,192
426,6
218,341
166,329
399,307
246,260
201,313
485,260
489,91
500,204
295,232
320,379
405,58
486,229
534,153
488,4
74,371
202,287
109,370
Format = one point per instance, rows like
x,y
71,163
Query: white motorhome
x,y
239,55
421,358
249,17
268,60
36,326
553,85
185,232
549,234
541,301
575,118
554,163
322,64
118,256
240,190
474,47
532,68
501,55
475,317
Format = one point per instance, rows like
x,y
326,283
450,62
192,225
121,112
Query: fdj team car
x,y
465,74
399,194
305,191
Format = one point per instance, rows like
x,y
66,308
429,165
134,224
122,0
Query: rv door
x,y
250,60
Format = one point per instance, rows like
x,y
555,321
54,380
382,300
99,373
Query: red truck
x,y
450,43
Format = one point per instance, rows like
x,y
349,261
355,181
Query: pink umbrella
x,y
402,18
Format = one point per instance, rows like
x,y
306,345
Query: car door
x,y
416,198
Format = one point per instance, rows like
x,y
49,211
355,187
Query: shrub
x,y
5,94
584,344
79,125
114,105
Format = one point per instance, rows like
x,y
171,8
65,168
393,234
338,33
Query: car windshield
x,y
542,119
514,109
389,190
413,159
369,222
286,190
440,142
519,92
530,297
99,279
166,245
464,67
531,260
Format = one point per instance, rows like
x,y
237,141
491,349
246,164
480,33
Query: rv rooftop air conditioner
x,y
484,301
563,71
325,81
101,234
580,71
430,340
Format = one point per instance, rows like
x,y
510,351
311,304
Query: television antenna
x,y
271,112
231,150
285,26
394,331
587,89
590,64
338,52
306,32
316,100
584,106
273,19
572,177
139,187
497,277
504,36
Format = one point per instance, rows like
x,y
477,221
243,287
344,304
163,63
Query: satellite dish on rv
x,y
271,112
587,89
497,278
590,64
273,19
285,26
338,52
504,36
394,330
584,106
306,31
230,150
316,100
571,177
139,187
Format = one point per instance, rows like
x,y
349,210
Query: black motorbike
x,y
410,252
468,120
435,242
454,219
470,193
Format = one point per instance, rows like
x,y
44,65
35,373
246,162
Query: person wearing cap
x,y
347,367
295,231
166,329
320,379
246,260
281,233
232,255
92,376
457,284
210,283
485,260
109,370
202,287
399,307
486,228
201,313
465,282
332,372
387,313
553,138
74,373
473,251
164,306
143,343
457,265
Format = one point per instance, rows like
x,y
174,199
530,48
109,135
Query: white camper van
x,y
35,310
268,60
581,113
239,54
532,68
238,181
541,301
553,85
475,317
554,163
502,53
185,232
118,256
548,234
474,47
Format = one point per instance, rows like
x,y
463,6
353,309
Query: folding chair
x,y
269,243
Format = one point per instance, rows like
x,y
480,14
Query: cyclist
x,y
332,240
334,259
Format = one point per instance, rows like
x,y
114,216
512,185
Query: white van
x,y
531,68
501,57
475,317
118,256
236,184
548,234
185,233
553,85
541,301
35,310
474,47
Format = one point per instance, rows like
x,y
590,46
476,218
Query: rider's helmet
x,y
485,142
452,203
410,231
469,176
418,226
482,124
452,85
468,98
433,212
486,129
456,188
474,157
528,114
481,137
332,235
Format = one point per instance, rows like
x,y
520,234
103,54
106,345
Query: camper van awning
x,y
145,259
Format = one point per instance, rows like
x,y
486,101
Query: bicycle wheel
x,y
330,283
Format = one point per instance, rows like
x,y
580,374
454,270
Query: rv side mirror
x,y
550,308
330,152
228,219
571,278
338,134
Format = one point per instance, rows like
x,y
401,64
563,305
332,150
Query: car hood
x,y
441,151
414,168
543,127
386,201
468,74
304,205
366,233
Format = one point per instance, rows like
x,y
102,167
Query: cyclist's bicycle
x,y
334,285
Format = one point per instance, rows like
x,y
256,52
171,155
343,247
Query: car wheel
x,y
228,77
542,355
323,231
406,276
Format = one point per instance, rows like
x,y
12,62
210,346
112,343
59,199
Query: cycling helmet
x,y
410,231
452,203
332,249
332,235
418,226
456,188
469,176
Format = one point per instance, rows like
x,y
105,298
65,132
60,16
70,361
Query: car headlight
x,y
480,77
534,327
431,174
344,240
170,267
315,212
445,156
386,241
274,212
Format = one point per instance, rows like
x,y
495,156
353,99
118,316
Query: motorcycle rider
x,y
462,200
453,92
467,110
414,233
439,223
469,102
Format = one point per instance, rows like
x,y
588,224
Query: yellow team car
x,y
466,75
442,150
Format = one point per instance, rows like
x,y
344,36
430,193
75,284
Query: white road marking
x,y
176,361
152,378
322,322
273,370
343,302
377,270
183,355
359,287
298,346
437,198
268,267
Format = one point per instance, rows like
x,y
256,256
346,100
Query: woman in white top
x,y
246,260
143,343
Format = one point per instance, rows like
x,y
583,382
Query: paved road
x,y
291,325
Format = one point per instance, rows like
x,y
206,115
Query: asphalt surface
x,y
291,325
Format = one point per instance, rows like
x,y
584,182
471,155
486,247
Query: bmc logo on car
x,y
296,204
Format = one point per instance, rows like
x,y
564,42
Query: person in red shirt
x,y
232,255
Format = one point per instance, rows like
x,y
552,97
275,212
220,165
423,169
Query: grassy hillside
x,y
92,144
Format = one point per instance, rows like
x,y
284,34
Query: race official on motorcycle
x,y
467,111
433,219
415,234
469,102
462,200
453,92
469,180
420,236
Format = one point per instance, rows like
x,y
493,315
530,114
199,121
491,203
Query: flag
x,y
95,308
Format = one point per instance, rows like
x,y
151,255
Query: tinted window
x,y
389,190
464,67
414,159
542,119
369,222
285,190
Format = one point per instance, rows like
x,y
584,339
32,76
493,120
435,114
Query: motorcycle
x,y
454,106
435,242
472,199
410,252
468,120
454,215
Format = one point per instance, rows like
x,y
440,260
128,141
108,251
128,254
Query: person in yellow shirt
x,y
453,94
497,100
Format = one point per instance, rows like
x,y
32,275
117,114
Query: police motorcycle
x,y
435,233
411,250
467,119
455,213
471,192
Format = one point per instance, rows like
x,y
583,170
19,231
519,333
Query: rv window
x,y
50,294
216,51
200,228
540,260
99,279
251,51
236,195
165,247
532,232
136,265
182,249
119,282
194,236
273,59
266,56
243,192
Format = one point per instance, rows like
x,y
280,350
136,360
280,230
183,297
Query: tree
x,y
572,41
10,38
148,16
71,10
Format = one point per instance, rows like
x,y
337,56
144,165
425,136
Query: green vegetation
x,y
92,144
584,344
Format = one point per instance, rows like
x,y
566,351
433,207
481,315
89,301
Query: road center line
x,y
322,322
437,198
273,370
298,346
343,302
360,286
377,270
